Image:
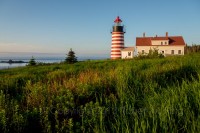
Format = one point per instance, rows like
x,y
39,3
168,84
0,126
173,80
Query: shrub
x,y
71,58
153,53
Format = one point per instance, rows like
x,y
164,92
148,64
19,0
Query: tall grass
x,y
149,95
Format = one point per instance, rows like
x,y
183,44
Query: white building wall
x,y
125,54
167,49
159,42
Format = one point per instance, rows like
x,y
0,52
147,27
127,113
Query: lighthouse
x,y
117,39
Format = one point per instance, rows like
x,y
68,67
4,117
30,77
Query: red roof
x,y
118,20
173,41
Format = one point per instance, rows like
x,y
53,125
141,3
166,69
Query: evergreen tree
x,y
71,58
32,62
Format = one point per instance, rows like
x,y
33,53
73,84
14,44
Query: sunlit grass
x,y
149,95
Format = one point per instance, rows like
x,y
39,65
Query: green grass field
x,y
139,95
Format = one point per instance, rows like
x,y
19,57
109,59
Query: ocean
x,y
39,57
12,65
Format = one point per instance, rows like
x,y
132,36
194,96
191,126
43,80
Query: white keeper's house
x,y
166,45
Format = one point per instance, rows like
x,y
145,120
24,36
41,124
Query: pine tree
x,y
71,58
32,62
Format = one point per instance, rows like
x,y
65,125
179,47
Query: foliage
x,y
148,95
192,49
71,58
153,53
32,62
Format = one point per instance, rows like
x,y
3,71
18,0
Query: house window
x,y
172,52
165,43
129,53
142,51
179,51
161,43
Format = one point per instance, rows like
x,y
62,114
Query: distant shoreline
x,y
11,61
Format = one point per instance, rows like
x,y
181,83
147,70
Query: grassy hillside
x,y
149,95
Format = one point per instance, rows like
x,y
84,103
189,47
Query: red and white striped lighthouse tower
x,y
117,39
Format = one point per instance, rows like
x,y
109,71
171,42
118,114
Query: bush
x,y
153,53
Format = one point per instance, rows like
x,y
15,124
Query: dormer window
x,y
161,41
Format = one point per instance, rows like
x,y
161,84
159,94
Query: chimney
x,y
156,35
166,34
144,34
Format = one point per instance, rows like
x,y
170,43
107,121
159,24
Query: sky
x,y
55,26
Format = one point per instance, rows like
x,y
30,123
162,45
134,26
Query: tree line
x,y
194,48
